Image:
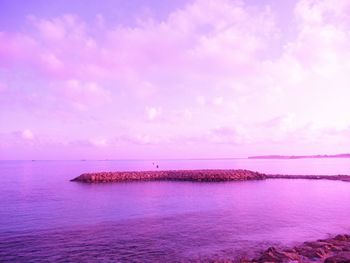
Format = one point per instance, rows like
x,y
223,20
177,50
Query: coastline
x,y
286,157
214,175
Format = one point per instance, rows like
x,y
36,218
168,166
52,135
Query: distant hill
x,y
342,155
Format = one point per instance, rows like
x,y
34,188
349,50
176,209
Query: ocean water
x,y
46,218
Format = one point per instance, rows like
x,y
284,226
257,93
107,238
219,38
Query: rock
x,y
311,253
274,255
339,258
342,238
176,175
331,250
197,176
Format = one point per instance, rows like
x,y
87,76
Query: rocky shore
x,y
175,175
330,250
195,176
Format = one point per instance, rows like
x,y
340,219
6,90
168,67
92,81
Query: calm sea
x,y
46,218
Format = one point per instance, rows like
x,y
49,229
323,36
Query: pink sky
x,y
194,79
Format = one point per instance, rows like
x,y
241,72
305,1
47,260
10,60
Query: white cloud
x,y
100,142
153,113
217,101
27,134
3,87
84,94
201,100
208,53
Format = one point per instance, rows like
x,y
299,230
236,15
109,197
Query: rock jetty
x,y
195,176
344,178
173,175
331,250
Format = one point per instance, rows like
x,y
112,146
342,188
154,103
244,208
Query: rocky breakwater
x,y
175,175
344,178
331,250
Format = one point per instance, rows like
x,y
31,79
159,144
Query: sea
x,y
44,217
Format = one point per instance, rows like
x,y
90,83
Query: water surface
x,y
44,217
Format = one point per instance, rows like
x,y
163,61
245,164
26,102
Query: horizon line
x,y
137,159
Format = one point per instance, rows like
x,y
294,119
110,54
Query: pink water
x,y
44,217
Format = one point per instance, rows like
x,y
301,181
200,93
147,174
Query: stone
x,y
176,175
339,258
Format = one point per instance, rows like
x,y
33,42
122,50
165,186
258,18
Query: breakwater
x,y
195,176
172,175
344,178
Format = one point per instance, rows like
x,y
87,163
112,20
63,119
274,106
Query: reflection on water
x,y
43,216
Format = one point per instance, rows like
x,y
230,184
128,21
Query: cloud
x,y
217,101
201,100
83,94
153,113
212,71
147,139
100,142
3,87
27,134
19,137
94,143
188,38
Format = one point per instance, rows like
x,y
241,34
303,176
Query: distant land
x,y
342,155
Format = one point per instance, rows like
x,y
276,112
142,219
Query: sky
x,y
115,79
